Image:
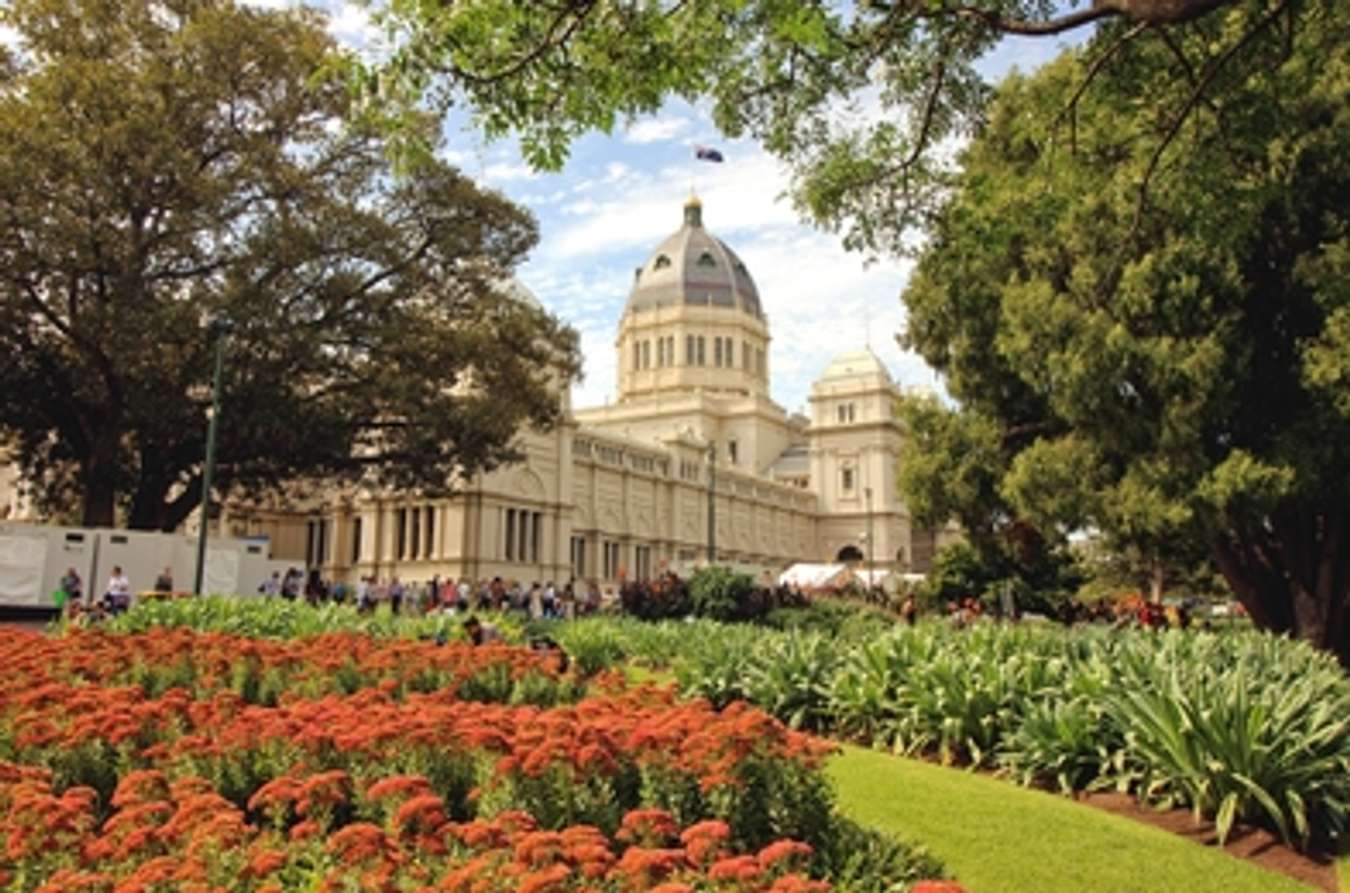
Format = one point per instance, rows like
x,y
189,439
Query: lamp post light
x,y
208,470
712,503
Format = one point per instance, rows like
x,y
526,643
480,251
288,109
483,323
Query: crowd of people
x,y
539,600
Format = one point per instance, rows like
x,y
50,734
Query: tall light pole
x,y
208,471
712,503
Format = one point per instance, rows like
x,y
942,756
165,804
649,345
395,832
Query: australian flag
x,y
707,153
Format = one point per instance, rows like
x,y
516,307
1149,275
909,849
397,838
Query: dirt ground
x,y
1254,844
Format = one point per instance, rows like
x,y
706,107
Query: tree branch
x,y
1197,94
1071,109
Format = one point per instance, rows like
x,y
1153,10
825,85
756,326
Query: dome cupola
x,y
693,322
692,266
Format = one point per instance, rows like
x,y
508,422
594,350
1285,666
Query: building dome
x,y
694,267
853,363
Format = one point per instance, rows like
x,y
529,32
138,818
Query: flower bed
x,y
140,763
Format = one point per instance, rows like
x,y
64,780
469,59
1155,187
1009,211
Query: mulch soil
x,y
1245,842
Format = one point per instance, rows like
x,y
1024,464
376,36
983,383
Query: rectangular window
x,y
670,350
637,356
701,354
759,363
578,556
510,553
310,538
839,411
356,540
717,351
431,529
732,451
689,350
401,525
642,561
536,527
745,355
415,534
847,480
660,352
323,542
611,560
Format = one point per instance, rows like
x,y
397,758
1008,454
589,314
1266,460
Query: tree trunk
x,y
1156,578
98,475
1296,581
147,505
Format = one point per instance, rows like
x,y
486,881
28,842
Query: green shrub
x,y
720,593
1272,748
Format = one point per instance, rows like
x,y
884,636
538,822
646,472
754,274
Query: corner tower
x,y
693,320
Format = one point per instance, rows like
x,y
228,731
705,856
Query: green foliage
x,y
1200,730
164,165
1237,725
276,618
1140,339
721,593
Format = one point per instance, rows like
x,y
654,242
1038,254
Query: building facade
x,y
693,454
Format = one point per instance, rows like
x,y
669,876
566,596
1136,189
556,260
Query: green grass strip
x,y
994,836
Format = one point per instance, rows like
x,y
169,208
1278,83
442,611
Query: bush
x,y
720,593
660,599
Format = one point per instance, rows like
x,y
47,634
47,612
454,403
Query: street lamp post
x,y
712,503
210,466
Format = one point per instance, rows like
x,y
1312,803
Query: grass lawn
x,y
994,836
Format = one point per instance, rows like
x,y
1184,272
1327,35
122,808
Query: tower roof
x,y
853,363
694,267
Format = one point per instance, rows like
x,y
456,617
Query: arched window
x,y
849,555
706,260
661,262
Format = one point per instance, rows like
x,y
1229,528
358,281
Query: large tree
x,y
860,99
1167,365
170,165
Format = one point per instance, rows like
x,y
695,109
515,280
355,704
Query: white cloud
x,y
350,24
506,172
740,195
656,130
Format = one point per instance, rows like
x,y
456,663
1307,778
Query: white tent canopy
x,y
814,576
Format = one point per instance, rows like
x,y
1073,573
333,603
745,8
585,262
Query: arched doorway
x,y
849,555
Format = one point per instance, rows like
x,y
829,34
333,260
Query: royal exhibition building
x,y
624,491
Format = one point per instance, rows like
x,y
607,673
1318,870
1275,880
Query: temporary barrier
x,y
34,558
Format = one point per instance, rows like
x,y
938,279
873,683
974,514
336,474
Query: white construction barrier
x,y
35,557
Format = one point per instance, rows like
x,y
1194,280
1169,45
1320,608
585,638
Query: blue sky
x,y
620,195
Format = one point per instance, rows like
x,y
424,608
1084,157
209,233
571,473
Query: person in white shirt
x,y
119,590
